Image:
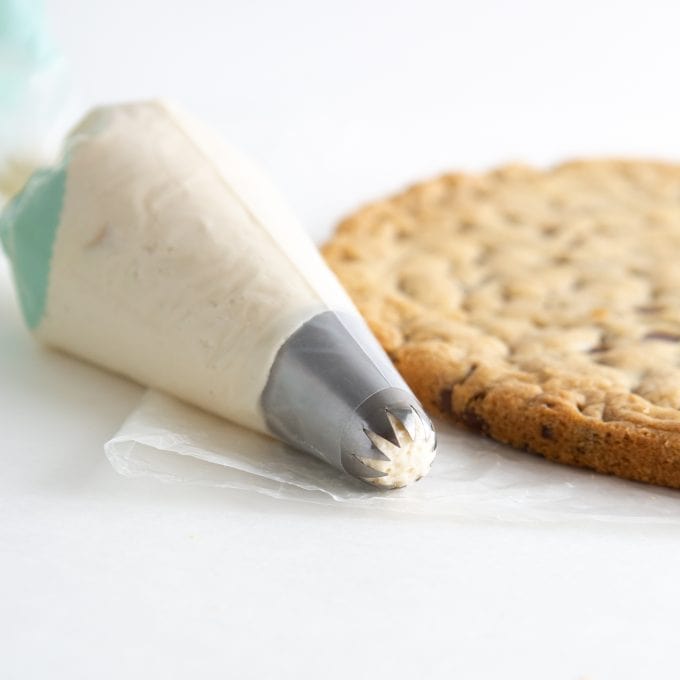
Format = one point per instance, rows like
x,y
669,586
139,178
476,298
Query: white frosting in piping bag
x,y
169,258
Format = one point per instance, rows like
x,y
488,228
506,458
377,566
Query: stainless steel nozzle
x,y
333,392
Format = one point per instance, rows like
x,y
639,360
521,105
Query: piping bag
x,y
155,250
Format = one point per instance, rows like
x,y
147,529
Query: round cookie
x,y
541,308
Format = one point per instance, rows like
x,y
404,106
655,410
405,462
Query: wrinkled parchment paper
x,y
472,477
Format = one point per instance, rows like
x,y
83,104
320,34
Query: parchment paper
x,y
473,477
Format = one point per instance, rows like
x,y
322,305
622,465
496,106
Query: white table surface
x,y
107,577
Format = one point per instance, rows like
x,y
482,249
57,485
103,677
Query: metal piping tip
x,y
398,443
333,392
406,417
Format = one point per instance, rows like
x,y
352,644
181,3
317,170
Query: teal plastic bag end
x,y
28,227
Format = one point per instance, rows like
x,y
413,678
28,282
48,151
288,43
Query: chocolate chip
x,y
471,370
598,349
649,309
474,421
662,335
602,346
546,432
446,394
445,400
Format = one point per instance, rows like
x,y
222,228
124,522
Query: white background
x,y
107,577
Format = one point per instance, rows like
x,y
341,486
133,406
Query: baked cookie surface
x,y
541,308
